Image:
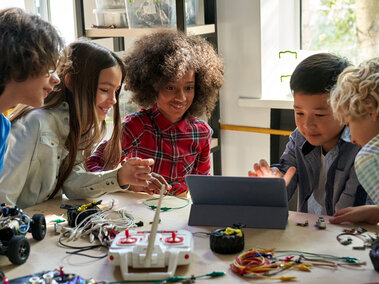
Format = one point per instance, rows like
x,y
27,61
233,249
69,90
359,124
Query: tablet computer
x,y
251,201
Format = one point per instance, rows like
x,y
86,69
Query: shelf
x,y
95,33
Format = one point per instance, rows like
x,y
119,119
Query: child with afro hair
x,y
175,78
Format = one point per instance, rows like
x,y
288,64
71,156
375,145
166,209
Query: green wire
x,y
172,279
163,209
327,256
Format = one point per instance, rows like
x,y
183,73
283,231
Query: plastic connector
x,y
216,274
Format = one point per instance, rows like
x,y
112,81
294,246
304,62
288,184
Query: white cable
x,y
99,224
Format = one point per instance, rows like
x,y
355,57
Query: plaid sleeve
x,y
132,131
367,168
95,162
202,164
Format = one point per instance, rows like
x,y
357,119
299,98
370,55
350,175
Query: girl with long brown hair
x,y
47,145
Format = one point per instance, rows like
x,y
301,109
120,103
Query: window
x,y
59,13
348,28
12,3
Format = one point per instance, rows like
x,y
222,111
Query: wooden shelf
x,y
95,33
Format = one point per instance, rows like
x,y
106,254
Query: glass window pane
x,y
348,28
12,3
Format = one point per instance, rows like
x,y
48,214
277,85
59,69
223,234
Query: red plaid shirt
x,y
178,149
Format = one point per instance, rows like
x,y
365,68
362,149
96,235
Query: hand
x,y
366,213
135,171
154,185
263,170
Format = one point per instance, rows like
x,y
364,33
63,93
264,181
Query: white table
x,y
47,255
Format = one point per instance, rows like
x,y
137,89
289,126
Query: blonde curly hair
x,y
357,92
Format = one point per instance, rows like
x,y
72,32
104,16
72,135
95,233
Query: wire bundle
x,y
262,263
102,225
359,233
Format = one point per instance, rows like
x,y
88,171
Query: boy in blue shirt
x,y
29,49
355,101
319,158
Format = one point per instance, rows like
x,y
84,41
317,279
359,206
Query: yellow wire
x,y
258,270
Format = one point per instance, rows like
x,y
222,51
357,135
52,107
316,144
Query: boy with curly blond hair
x,y
355,101
175,78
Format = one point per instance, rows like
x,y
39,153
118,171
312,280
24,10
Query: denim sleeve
x,y
352,193
287,160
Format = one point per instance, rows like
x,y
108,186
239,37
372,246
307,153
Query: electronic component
x,y
171,248
346,242
77,213
227,240
305,224
14,225
151,249
320,223
360,233
51,277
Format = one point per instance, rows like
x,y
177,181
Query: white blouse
x,y
35,151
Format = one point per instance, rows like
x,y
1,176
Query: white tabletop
x,y
47,255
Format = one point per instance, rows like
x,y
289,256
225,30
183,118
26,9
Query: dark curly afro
x,y
165,56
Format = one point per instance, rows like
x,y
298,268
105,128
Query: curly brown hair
x,y
29,46
165,56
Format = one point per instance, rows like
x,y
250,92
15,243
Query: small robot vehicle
x,y
14,224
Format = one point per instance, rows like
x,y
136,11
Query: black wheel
x,y
38,226
18,249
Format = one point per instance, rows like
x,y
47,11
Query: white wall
x,y
250,32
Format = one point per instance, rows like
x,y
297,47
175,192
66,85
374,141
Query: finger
x,y
337,220
146,162
258,170
341,212
142,169
151,189
143,176
252,174
275,172
155,185
265,168
136,188
162,181
289,175
263,163
135,161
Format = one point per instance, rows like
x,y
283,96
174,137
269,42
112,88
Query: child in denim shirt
x,y
319,158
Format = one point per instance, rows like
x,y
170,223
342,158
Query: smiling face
x,y
315,121
109,83
175,98
33,90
